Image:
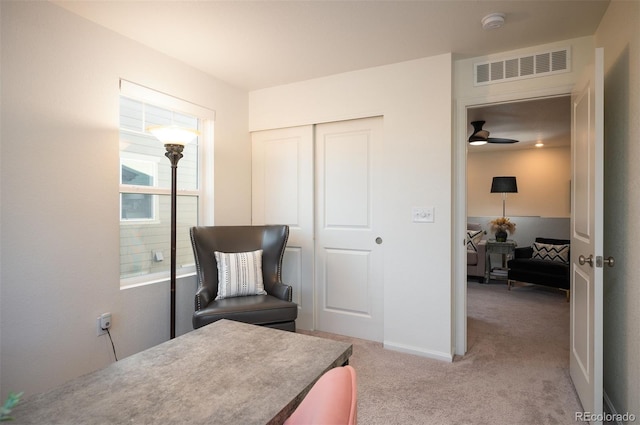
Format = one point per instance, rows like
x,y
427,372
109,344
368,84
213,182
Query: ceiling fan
x,y
480,136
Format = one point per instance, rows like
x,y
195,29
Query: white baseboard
x,y
436,355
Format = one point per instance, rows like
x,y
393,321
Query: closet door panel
x,y
282,193
349,245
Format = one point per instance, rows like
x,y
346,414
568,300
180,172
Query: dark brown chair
x,y
275,309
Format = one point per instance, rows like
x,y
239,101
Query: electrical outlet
x,y
103,322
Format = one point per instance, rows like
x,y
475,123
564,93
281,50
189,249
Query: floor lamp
x,y
174,139
504,185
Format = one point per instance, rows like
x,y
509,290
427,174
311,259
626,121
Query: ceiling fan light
x,y
477,142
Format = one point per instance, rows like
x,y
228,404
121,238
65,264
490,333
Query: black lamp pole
x,y
174,153
174,138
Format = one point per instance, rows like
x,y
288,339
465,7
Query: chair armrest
x,y
482,249
203,298
281,290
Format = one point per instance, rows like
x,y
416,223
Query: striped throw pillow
x,y
239,274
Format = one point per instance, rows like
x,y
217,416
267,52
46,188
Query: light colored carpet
x,y
516,370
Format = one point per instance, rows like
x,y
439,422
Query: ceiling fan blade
x,y
500,140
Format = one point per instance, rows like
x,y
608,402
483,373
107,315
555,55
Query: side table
x,y
507,249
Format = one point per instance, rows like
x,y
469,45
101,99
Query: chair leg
x,y
509,284
567,293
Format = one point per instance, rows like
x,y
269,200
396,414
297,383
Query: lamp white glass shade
x,y
173,135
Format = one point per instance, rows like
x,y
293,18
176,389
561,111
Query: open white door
x,y
586,236
282,193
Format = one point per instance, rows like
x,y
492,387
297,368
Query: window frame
x,y
204,192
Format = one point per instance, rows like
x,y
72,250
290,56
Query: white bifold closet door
x,y
325,182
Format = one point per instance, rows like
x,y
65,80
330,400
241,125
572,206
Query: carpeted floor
x,y
516,370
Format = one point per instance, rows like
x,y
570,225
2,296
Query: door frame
x,y
460,135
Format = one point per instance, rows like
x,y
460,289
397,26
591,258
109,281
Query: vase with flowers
x,y
500,226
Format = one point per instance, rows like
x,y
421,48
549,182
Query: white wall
x,y
619,35
59,177
528,228
543,176
415,99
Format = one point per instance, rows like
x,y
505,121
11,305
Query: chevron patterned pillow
x,y
544,251
473,239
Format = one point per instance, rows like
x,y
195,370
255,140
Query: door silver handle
x,y
610,261
378,240
584,260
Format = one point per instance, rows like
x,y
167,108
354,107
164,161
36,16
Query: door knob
x,y
378,240
583,260
610,261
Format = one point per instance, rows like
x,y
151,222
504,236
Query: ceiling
x,y
541,120
258,44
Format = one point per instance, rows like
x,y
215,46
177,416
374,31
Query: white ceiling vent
x,y
521,67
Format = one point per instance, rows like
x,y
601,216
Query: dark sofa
x,y
550,270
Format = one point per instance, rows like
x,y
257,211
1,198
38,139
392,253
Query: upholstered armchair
x,y
476,251
271,307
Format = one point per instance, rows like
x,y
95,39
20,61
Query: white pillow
x,y
239,274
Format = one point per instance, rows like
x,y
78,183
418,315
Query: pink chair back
x,y
331,401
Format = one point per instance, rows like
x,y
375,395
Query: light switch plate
x,y
423,214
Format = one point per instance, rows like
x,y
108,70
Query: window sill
x,y
136,282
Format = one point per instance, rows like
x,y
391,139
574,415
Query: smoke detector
x,y
493,21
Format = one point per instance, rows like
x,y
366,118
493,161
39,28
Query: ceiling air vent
x,y
521,67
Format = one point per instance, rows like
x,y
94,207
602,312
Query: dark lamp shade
x,y
504,185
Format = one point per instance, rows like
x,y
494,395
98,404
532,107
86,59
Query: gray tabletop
x,y
224,373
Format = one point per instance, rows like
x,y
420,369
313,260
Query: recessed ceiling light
x,y
493,21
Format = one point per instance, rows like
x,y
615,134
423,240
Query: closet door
x,y
282,193
349,278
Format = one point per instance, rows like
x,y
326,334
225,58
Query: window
x,y
145,184
133,172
